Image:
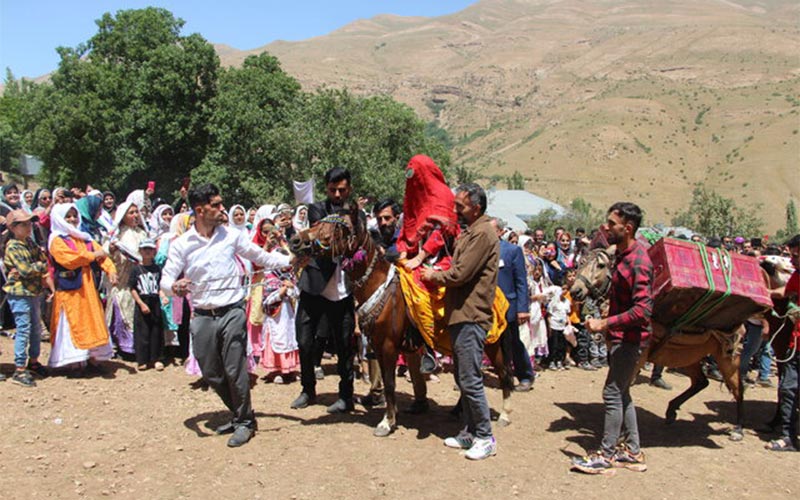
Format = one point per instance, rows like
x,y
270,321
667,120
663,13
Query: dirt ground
x,y
146,435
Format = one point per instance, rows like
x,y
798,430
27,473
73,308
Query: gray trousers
x,y
620,411
220,346
468,340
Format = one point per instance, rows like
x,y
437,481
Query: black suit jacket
x,y
318,271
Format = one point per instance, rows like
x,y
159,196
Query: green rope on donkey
x,y
702,308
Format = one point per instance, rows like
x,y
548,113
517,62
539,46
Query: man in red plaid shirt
x,y
627,328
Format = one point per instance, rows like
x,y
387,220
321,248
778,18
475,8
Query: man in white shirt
x,y
205,255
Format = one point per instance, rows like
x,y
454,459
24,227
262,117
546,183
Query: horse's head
x,y
593,278
778,270
335,235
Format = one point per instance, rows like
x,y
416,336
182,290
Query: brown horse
x,y
684,349
382,310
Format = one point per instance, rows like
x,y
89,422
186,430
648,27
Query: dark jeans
x,y
340,318
468,340
620,411
584,339
514,350
789,396
220,346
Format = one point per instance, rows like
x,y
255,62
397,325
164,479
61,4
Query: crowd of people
x,y
216,291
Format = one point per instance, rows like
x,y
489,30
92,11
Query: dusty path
x,y
145,436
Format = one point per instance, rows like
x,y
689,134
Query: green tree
x,y
128,105
11,103
516,181
791,228
711,214
580,213
306,134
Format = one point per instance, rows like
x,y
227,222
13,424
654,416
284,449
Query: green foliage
x,y
463,174
129,105
516,181
711,214
580,213
643,146
270,134
792,227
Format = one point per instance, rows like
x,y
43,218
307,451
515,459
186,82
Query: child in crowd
x,y
26,274
583,339
148,328
280,354
558,311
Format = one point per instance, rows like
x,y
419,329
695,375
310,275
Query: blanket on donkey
x,y
426,308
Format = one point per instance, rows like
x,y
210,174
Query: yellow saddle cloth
x,y
426,308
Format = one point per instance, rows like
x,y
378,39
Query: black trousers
x,y
148,334
340,319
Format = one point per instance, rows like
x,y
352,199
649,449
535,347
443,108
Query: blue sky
x,y
30,30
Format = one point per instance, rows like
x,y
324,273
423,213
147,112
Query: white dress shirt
x,y
210,264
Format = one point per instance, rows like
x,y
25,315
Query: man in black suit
x,y
325,295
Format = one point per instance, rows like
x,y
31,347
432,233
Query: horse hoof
x,y
381,431
503,422
671,416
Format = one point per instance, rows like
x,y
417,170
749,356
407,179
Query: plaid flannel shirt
x,y
30,263
631,298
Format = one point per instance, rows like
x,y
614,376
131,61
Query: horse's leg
x,y
699,382
387,359
729,367
420,404
496,355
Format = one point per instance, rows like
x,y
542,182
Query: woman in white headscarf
x,y
123,248
160,221
78,329
300,219
238,218
26,200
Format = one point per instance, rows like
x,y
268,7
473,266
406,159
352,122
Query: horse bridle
x,y
598,292
339,222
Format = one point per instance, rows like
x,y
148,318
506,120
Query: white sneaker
x,y
463,441
277,380
482,448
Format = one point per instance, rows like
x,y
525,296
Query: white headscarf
x,y
122,209
23,203
242,226
158,225
59,227
264,212
298,224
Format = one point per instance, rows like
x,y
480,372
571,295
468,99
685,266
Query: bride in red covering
x,y
429,221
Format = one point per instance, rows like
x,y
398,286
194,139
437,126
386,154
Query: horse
x,y
382,310
685,349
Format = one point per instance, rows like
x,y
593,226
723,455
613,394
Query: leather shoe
x,y
341,406
302,401
241,435
524,386
226,428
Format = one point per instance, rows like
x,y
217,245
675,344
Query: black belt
x,y
218,311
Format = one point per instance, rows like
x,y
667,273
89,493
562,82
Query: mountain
x,y
599,99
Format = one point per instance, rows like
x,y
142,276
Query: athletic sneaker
x,y
625,459
462,441
23,378
482,448
596,463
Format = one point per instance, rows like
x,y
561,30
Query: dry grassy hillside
x,y
603,99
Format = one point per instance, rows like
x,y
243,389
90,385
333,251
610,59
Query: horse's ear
x,y
611,251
